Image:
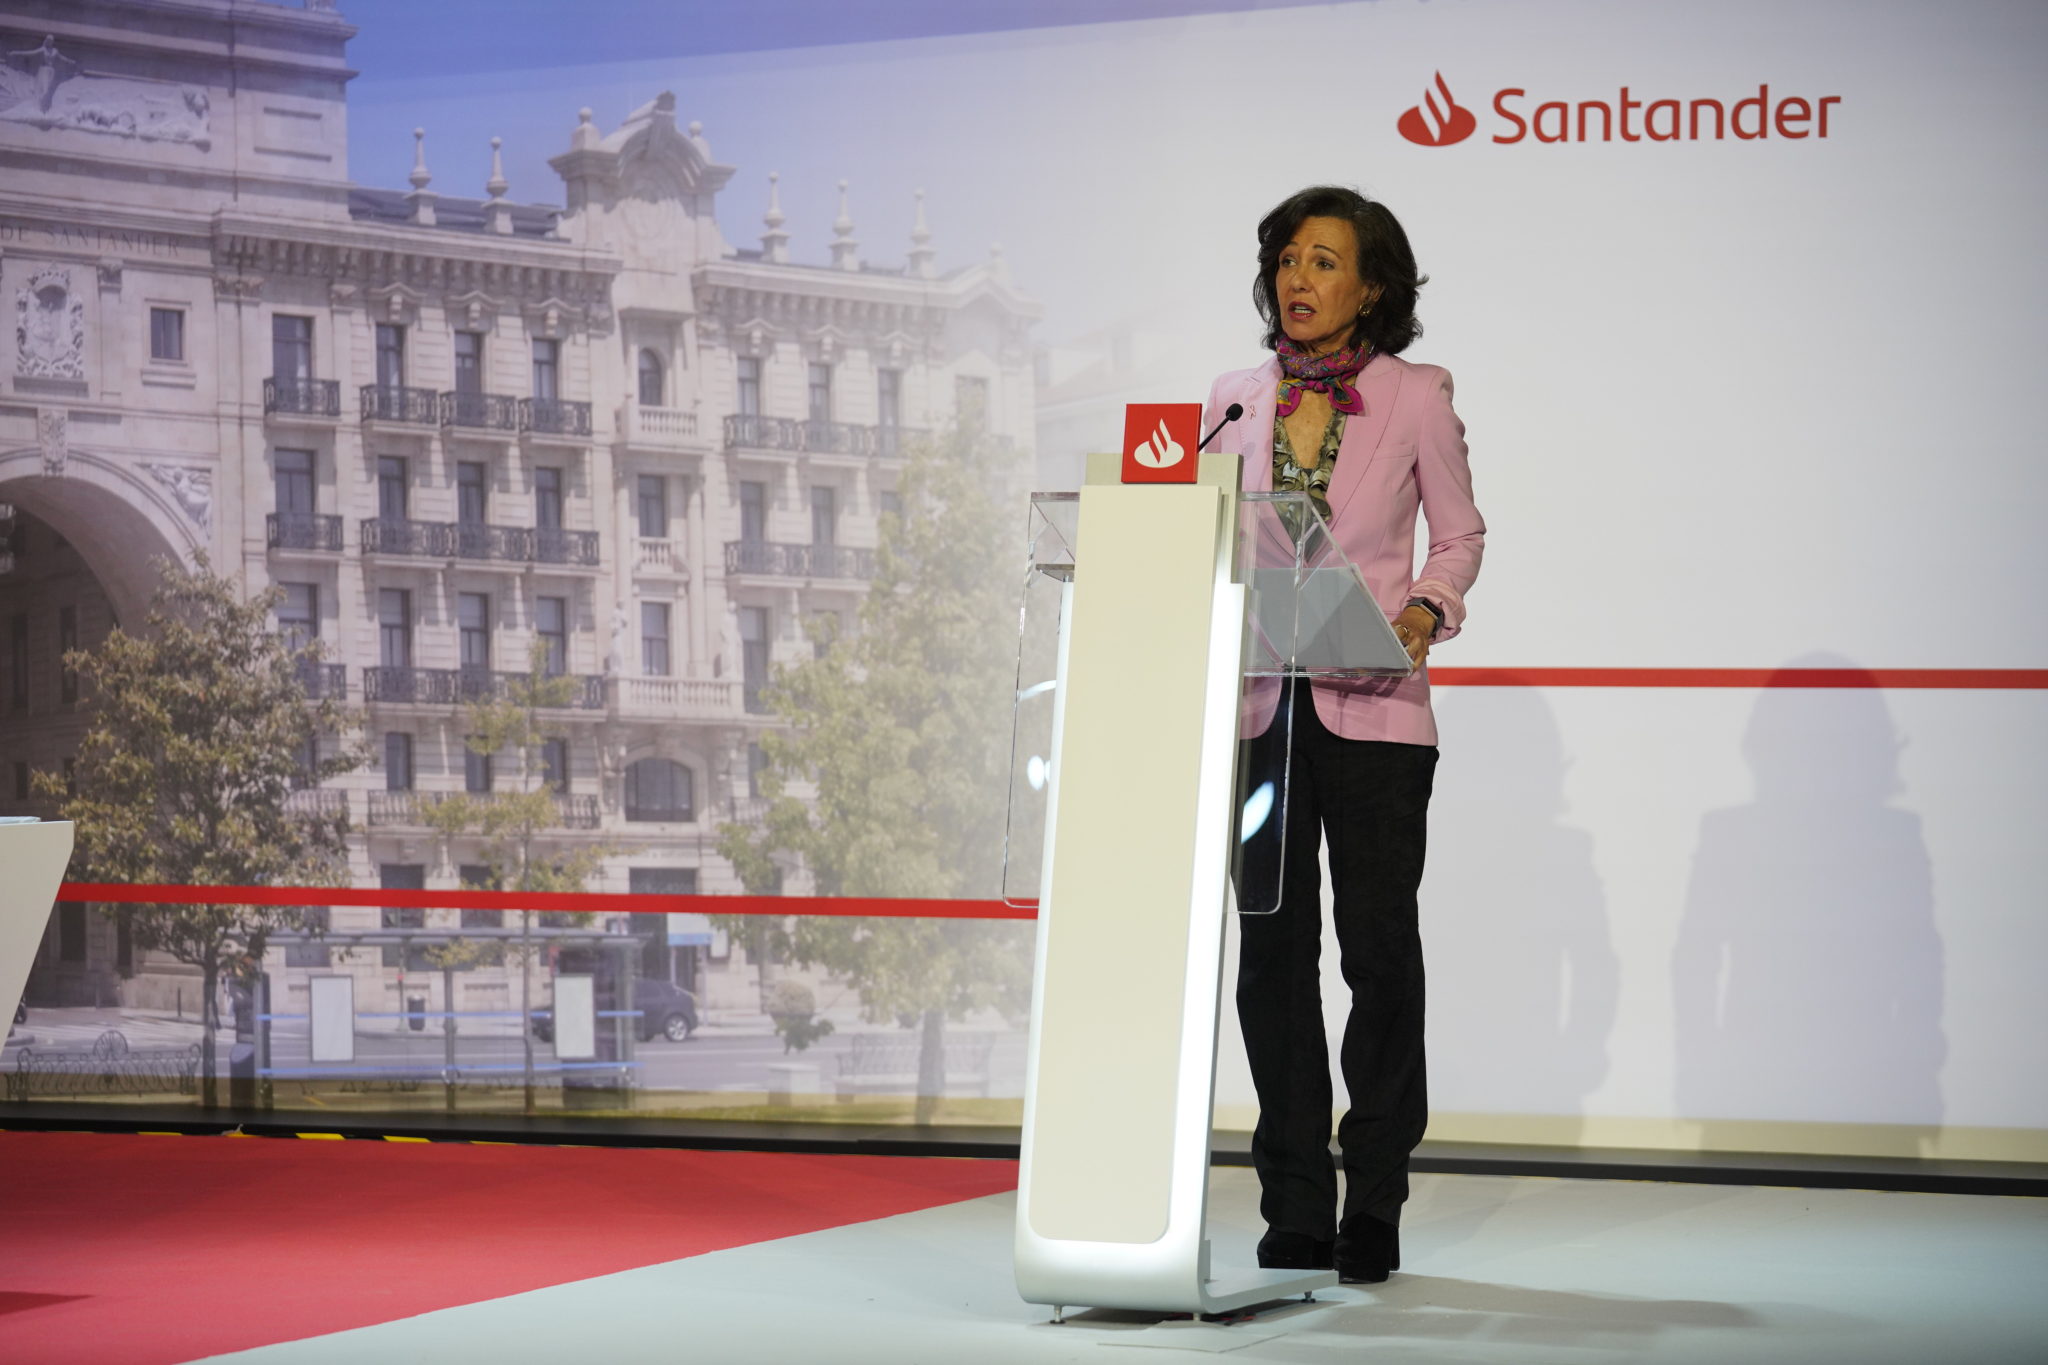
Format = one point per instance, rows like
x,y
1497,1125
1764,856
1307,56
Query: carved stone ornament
x,y
190,488
49,327
110,274
237,288
341,295
52,435
43,88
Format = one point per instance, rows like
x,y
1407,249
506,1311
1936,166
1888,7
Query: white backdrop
x,y
1737,403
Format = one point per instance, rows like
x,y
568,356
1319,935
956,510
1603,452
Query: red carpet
x,y
120,1250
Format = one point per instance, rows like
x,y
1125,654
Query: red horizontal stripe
x,y
592,902
1963,678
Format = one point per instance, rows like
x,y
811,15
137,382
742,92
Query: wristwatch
x,y
1433,609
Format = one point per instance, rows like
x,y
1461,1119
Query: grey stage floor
x,y
1497,1270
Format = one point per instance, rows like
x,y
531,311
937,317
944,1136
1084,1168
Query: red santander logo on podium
x,y
1160,441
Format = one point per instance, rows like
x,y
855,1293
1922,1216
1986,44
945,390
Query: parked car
x,y
665,1009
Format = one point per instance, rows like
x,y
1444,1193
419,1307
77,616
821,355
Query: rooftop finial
x,y
774,242
921,253
419,177
497,184
422,198
845,251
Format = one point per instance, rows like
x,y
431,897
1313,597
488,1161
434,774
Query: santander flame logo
x,y
1439,120
1161,451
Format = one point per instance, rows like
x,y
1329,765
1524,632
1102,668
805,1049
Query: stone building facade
x,y
453,429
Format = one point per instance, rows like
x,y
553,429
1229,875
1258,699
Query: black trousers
x,y
1371,799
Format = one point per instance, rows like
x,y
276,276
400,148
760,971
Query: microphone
x,y
1230,414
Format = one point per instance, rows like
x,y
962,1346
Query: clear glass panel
x,y
1055,523
1311,612
1310,615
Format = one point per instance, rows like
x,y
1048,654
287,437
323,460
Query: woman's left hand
x,y
1413,628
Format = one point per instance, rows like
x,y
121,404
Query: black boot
x,y
1294,1251
1367,1250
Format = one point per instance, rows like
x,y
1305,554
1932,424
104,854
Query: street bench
x,y
110,1067
884,1063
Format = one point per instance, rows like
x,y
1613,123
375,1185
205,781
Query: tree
x,y
903,730
200,731
511,821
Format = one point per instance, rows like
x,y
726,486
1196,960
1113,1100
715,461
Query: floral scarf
x,y
1328,374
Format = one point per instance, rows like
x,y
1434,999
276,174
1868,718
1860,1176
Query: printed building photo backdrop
x,y
463,453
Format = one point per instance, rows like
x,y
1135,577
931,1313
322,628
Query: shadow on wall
x,y
1808,973
1523,976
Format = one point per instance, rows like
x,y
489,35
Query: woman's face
x,y
1318,284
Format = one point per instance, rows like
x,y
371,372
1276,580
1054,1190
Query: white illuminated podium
x,y
32,862
1159,624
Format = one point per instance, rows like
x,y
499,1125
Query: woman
x,y
1370,438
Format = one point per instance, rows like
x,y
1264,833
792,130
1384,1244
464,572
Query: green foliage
x,y
795,1011
199,728
902,732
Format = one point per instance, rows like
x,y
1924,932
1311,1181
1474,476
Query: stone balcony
x,y
780,559
744,431
399,403
486,412
479,541
658,556
573,810
314,531
455,686
647,426
676,698
292,397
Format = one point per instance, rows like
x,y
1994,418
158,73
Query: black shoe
x,y
1367,1251
1294,1251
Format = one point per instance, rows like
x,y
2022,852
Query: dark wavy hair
x,y
1384,259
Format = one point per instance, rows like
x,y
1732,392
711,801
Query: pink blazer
x,y
1405,452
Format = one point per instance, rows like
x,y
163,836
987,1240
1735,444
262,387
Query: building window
x,y
659,789
473,622
318,918
308,765
653,507
404,877
67,640
17,659
824,516
71,931
970,400
394,627
167,334
654,639
820,392
750,386
291,347
889,503
469,362
551,628
472,489
298,615
398,770
480,877
753,510
547,369
390,355
757,763
754,640
392,482
547,498
888,398
650,379
293,474
554,764
476,768
825,628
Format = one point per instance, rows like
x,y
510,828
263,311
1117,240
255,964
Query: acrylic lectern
x,y
1159,622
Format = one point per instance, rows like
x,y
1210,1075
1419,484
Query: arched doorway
x,y
85,549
